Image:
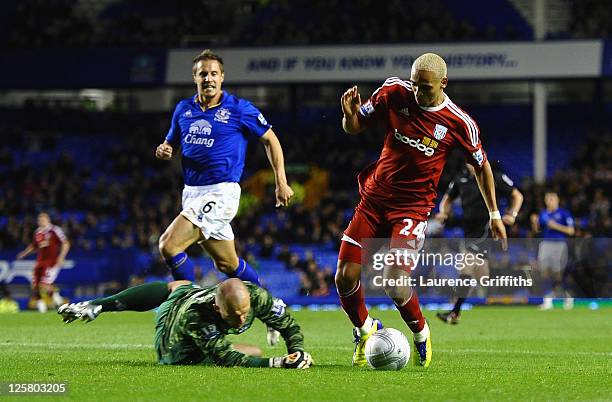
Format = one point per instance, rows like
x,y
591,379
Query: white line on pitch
x,y
108,346
523,352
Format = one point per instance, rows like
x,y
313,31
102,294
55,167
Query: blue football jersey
x,y
214,142
561,216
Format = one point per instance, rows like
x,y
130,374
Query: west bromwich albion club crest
x,y
222,115
439,132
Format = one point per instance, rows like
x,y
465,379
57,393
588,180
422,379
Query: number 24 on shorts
x,y
410,230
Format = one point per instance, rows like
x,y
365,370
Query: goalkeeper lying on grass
x,y
192,322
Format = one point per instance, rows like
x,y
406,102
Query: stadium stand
x,y
95,171
109,193
137,23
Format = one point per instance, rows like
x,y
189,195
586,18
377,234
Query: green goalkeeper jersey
x,y
190,331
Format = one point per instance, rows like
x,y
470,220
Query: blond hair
x,y
430,62
208,55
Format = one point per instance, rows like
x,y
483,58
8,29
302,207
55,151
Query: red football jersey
x,y
48,242
417,144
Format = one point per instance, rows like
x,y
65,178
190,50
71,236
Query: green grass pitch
x,y
496,353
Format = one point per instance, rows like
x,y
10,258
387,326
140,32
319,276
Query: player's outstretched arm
x,y
220,351
535,223
566,230
274,314
351,102
297,360
164,151
63,253
516,201
486,184
446,207
274,151
27,251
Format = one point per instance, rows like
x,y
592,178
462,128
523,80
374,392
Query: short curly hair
x,y
430,62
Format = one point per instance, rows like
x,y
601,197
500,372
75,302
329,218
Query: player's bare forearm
x,y
516,201
535,223
26,252
64,251
566,230
350,103
446,205
486,184
351,125
274,151
445,209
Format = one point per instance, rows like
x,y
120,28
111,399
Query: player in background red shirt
x,y
52,246
398,192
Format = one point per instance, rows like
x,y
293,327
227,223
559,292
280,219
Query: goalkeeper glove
x,y
296,360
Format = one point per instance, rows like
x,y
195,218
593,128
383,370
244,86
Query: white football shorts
x,y
212,208
552,255
50,275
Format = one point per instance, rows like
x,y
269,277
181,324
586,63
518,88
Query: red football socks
x,y
353,304
411,313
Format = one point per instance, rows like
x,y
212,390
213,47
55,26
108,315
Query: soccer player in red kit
x,y
398,192
52,246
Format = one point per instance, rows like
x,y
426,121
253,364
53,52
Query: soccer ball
x,y
387,349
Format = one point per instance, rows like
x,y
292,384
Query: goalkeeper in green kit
x,y
192,322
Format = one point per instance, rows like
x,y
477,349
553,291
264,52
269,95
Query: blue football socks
x,y
181,267
245,272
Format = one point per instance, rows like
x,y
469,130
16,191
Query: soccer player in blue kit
x,y
556,226
213,129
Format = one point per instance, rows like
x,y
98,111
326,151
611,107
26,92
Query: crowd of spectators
x,y
301,22
108,191
112,24
585,186
314,279
116,203
139,23
590,19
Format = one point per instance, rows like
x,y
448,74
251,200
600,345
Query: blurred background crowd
x,y
139,23
107,190
93,169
